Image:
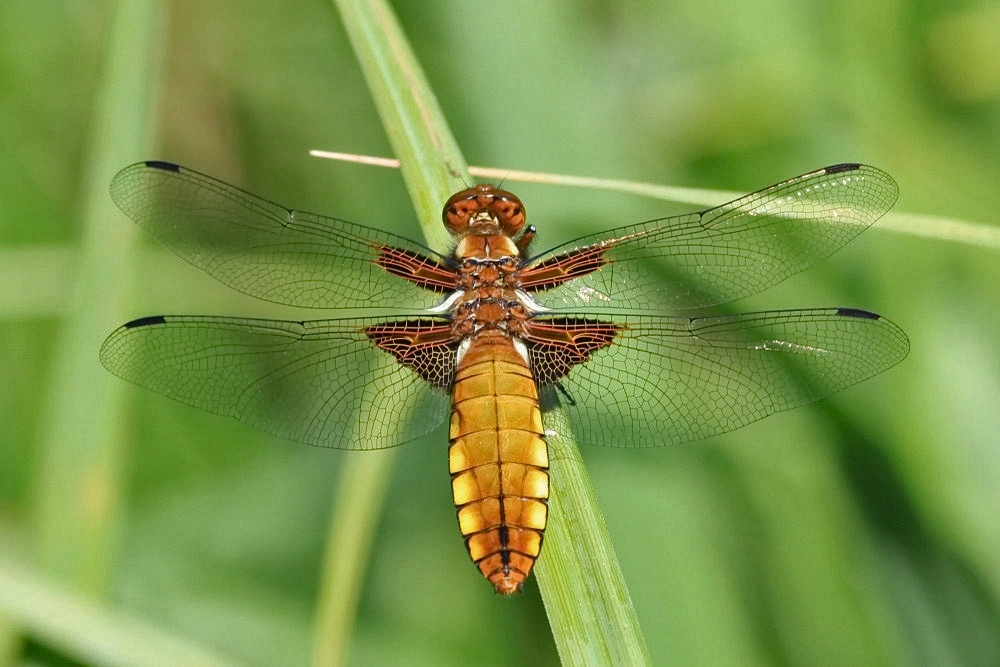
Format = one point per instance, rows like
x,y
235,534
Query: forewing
x,y
322,382
719,255
666,380
275,253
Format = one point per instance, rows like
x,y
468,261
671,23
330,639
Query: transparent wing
x,y
322,382
667,380
272,252
719,255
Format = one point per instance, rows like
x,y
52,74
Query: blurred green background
x,y
860,530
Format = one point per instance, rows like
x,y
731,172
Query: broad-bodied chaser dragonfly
x,y
493,335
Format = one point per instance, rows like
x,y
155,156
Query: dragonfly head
x,y
483,207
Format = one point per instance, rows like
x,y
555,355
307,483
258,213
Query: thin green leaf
x,y
81,452
588,605
90,632
433,167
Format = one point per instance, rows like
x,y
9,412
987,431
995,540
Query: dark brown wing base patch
x,y
427,347
416,268
559,269
556,345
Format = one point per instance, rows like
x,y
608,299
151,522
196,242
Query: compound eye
x,y
458,210
500,205
509,212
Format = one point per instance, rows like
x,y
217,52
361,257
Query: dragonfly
x,y
612,328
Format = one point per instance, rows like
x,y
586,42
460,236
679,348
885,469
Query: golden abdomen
x,y
499,461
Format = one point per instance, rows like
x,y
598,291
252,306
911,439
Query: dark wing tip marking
x,y
151,320
846,166
165,166
857,312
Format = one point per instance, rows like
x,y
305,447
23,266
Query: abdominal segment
x,y
499,461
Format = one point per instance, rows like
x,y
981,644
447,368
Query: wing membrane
x,y
719,255
322,382
668,380
269,251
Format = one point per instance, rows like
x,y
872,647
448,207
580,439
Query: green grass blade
x,y
357,506
89,631
942,228
37,280
431,163
81,448
77,487
433,168
586,599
